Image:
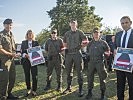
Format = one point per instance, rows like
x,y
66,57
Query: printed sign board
x,y
123,59
35,55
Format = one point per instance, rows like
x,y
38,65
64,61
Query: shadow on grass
x,y
20,88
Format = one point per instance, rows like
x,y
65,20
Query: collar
x,y
55,38
29,41
7,33
129,31
74,31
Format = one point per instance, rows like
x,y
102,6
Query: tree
x,y
91,21
43,36
109,30
66,10
71,9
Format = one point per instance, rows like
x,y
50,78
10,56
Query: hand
x,y
27,56
15,55
18,55
107,53
65,45
84,43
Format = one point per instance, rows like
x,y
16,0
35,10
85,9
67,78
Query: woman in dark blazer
x,y
29,43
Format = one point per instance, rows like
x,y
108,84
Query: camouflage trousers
x,y
7,77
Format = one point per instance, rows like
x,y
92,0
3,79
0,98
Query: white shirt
x,y
127,37
30,44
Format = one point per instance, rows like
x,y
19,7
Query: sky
x,y
31,14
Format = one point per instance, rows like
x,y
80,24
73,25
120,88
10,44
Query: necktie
x,y
124,39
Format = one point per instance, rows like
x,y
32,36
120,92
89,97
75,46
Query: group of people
x,y
72,43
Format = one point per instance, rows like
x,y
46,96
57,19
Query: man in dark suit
x,y
124,39
29,43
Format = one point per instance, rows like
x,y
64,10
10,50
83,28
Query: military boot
x,y
102,94
80,91
59,87
48,86
68,89
3,98
89,95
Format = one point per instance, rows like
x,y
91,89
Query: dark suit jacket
x,y
118,40
24,47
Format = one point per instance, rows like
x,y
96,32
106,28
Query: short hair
x,y
26,37
73,21
54,30
124,17
96,29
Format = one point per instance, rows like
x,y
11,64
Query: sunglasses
x,y
53,33
96,32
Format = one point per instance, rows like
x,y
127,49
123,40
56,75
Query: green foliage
x,y
109,30
20,86
91,21
66,10
43,36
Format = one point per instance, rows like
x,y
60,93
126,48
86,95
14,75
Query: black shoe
x,y
3,98
11,96
102,98
102,95
67,90
34,93
59,89
28,93
88,96
80,94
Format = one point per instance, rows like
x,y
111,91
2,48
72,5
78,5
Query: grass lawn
x,y
20,87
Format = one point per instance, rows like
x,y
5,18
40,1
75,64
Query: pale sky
x,y
31,14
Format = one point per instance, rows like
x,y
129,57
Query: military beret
x,y
7,21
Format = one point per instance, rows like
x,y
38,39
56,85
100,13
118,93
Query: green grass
x,y
20,87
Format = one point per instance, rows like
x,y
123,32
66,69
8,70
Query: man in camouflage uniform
x,y
96,50
73,41
7,54
53,47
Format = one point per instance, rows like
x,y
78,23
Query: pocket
x,y
1,74
5,41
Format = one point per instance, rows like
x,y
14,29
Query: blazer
x,y
118,40
24,47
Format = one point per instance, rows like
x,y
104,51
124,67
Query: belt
x,y
95,59
73,50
